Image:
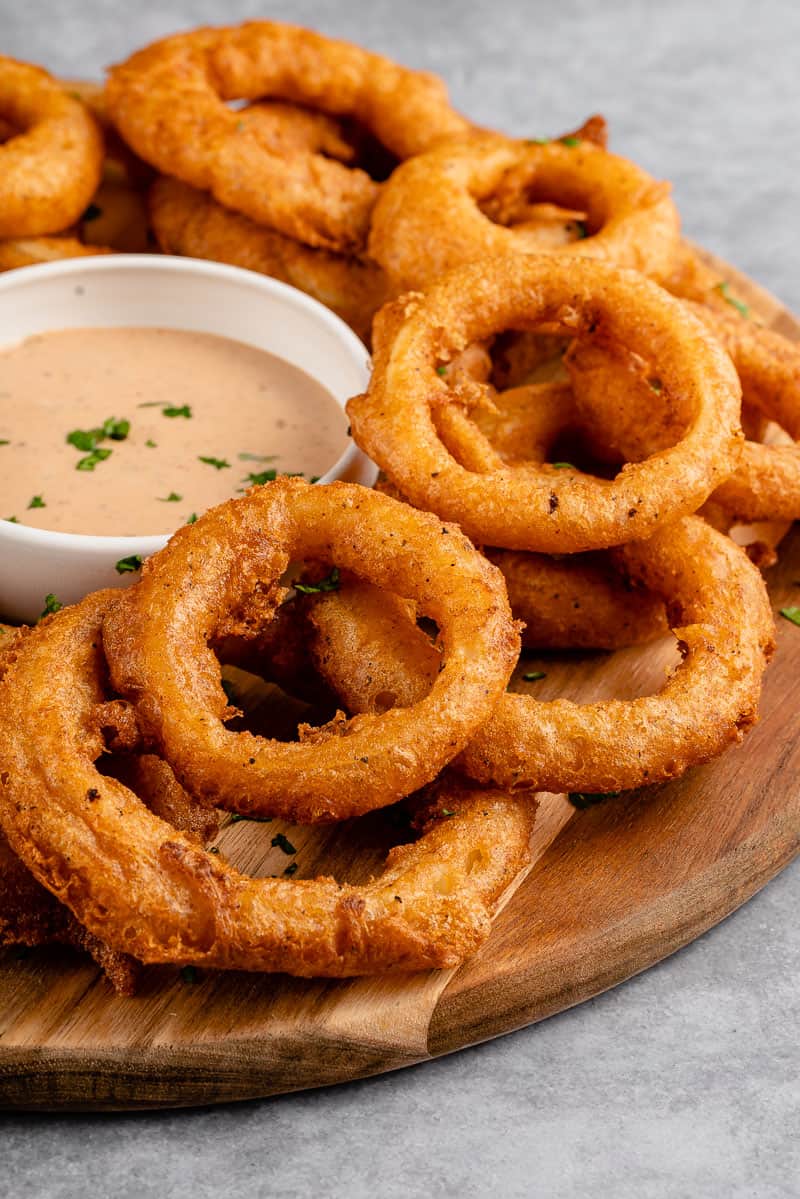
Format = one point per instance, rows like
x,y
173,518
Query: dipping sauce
x,y
127,432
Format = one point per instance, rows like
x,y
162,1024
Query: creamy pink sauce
x,y
247,409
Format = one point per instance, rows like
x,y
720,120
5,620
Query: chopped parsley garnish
x,y
92,213
441,370
37,502
192,517
533,676
444,813
261,476
314,478
588,799
184,411
129,565
537,141
281,842
189,974
570,141
172,498
563,466
724,289
151,445
244,457
12,520
217,463
792,614
582,229
331,583
655,384
91,460
51,605
4,441
291,869
237,816
86,440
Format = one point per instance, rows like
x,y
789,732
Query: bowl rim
x,y
292,297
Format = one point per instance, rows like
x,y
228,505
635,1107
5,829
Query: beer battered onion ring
x,y
707,583
192,592
428,217
147,890
190,222
51,168
533,505
169,103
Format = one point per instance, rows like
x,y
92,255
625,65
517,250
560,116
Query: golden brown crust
x,y
169,103
157,638
430,216
48,171
539,507
143,888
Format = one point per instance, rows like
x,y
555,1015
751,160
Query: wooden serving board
x,y
613,889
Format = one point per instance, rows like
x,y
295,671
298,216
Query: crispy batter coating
x,y
49,170
145,889
472,199
191,222
536,506
704,580
196,591
169,101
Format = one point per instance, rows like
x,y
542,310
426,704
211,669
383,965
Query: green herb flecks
x,y
51,605
537,141
12,520
441,371
655,384
172,498
792,614
217,463
281,842
129,565
570,141
191,518
563,466
330,583
245,457
92,460
4,441
588,799
151,445
581,229
533,676
724,289
184,411
87,440
258,478
37,501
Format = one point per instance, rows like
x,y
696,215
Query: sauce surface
x,y
146,407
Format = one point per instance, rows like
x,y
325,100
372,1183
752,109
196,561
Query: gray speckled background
x,y
683,1082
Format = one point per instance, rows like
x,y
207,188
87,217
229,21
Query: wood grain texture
x,y
612,890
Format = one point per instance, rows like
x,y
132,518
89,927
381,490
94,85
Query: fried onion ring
x,y
709,701
187,221
428,217
535,506
157,642
169,103
51,168
147,890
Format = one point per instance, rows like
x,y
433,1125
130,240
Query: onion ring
x,y
168,101
428,218
157,636
535,506
49,171
190,222
145,889
705,580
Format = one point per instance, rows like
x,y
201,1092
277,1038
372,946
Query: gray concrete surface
x,y
683,1082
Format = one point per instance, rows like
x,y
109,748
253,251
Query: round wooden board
x,y
612,890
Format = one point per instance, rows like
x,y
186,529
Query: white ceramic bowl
x,y
159,292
